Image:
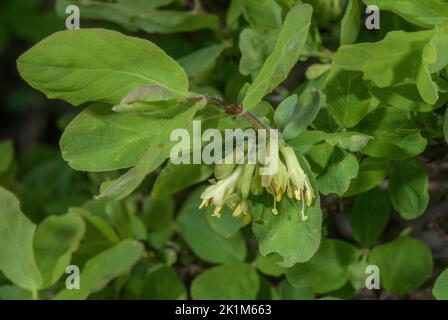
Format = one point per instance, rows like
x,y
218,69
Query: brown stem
x,y
234,109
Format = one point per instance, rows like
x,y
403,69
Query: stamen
x,y
204,203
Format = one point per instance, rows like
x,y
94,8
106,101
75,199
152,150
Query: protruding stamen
x,y
204,203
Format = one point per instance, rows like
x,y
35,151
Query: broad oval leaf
x,y
348,98
404,263
369,216
17,261
286,234
97,65
99,139
408,188
327,270
341,169
56,238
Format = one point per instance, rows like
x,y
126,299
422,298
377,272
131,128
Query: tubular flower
x,y
219,192
299,186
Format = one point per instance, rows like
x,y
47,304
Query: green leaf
x,y
395,60
156,102
290,42
174,178
68,65
202,60
11,292
347,140
202,239
56,238
236,281
408,188
6,155
341,169
17,261
255,47
294,115
154,156
99,139
351,23
262,14
369,216
404,96
162,283
101,269
98,237
286,234
227,225
348,98
405,264
289,292
427,13
440,290
268,265
371,173
141,15
327,270
395,135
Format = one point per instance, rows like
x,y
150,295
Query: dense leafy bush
x,y
361,115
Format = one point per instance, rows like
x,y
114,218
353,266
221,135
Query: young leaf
x,y
408,188
104,267
351,23
440,290
369,216
203,240
427,13
328,268
341,169
154,156
235,281
405,264
348,98
286,234
56,238
99,139
156,102
68,65
287,49
294,115
17,261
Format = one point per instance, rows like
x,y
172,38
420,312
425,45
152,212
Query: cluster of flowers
x,y
235,183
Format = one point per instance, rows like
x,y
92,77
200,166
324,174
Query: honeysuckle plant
x,y
359,113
